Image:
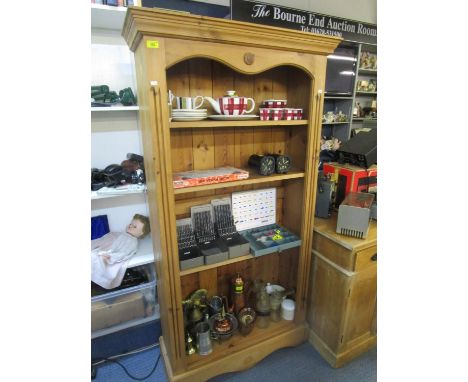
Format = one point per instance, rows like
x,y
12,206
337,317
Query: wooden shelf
x,y
216,265
238,341
366,119
213,123
365,93
338,97
253,179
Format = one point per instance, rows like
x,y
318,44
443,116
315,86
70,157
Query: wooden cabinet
x,y
194,55
342,303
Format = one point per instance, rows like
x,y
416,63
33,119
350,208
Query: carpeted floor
x,y
299,364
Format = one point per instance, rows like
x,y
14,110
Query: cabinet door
x,y
374,321
361,312
328,302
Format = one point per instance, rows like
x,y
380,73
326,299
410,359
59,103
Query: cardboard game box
x,y
202,177
349,178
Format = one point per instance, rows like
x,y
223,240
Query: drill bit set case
x,y
255,218
209,236
189,253
226,229
212,247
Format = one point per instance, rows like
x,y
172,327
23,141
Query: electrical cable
x,y
131,376
112,359
124,354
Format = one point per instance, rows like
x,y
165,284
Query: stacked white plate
x,y
188,114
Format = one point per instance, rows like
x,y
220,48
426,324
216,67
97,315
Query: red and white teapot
x,y
231,104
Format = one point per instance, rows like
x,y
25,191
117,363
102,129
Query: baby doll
x,y
111,253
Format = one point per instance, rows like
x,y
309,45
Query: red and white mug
x,y
274,103
288,114
297,113
264,114
276,114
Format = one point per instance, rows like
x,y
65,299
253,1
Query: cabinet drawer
x,y
126,307
343,256
366,258
333,251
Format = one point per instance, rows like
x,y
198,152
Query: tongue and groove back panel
x,y
204,148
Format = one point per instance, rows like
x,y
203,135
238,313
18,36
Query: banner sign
x,y
283,17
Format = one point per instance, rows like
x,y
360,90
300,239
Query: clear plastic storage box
x,y
124,308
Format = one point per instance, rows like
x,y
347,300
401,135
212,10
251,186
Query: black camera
x,y
130,171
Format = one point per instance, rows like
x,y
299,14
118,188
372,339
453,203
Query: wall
x,y
360,10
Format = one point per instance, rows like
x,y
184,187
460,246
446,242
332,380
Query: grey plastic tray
x,y
270,239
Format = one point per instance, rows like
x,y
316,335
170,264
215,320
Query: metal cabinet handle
x,y
374,258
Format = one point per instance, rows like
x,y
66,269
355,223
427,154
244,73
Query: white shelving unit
x,y
115,108
97,195
115,132
114,129
144,254
107,17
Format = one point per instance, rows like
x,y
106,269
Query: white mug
x,y
188,102
170,96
